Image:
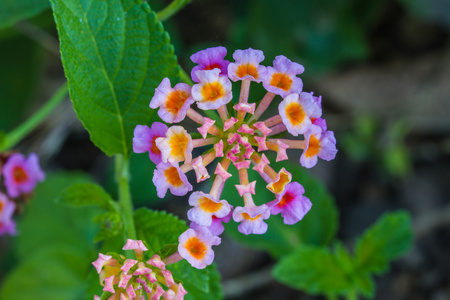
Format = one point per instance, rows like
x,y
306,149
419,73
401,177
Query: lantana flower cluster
x,y
19,178
237,137
140,279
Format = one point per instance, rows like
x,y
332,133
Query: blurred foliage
x,y
318,270
54,246
16,85
371,141
12,11
433,11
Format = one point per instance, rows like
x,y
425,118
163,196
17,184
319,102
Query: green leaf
x,y
115,53
12,11
110,225
83,194
159,229
386,240
167,250
318,227
314,270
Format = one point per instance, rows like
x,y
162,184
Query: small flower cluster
x,y
20,176
238,138
128,279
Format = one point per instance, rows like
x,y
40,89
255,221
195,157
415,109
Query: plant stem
x,y
171,9
125,203
17,134
352,295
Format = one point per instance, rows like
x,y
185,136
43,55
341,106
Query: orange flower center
x,y
212,91
281,81
278,186
178,143
212,67
173,177
286,199
313,147
208,205
196,247
1,207
19,175
175,101
155,149
295,113
247,69
247,217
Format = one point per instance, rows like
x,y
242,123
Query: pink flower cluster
x,y
128,279
20,176
236,137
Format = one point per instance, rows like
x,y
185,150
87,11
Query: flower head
x,y
137,279
22,174
7,208
239,138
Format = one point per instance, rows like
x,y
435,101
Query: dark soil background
x,y
388,103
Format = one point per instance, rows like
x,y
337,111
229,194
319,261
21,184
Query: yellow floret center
x,y
281,81
19,175
175,101
212,91
313,147
208,205
173,177
278,186
196,247
295,113
247,69
178,143
247,217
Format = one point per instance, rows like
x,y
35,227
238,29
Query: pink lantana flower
x,y
137,279
195,246
173,102
238,138
7,208
212,91
281,79
246,65
205,208
21,175
252,218
318,144
176,146
169,176
209,59
291,203
144,140
296,110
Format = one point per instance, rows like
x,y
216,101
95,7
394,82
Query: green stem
x,y
16,135
171,9
352,295
125,203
